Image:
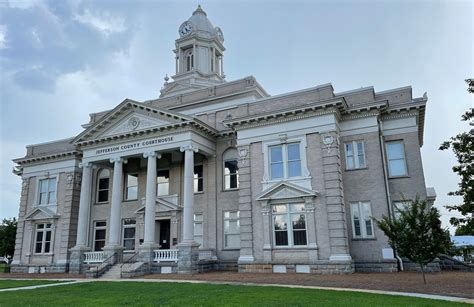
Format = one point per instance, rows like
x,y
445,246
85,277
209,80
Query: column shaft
x,y
84,205
115,210
150,200
188,194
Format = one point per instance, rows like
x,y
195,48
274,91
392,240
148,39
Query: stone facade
x,y
252,182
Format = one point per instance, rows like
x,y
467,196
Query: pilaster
x,y
245,206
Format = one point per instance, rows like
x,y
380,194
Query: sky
x,y
61,60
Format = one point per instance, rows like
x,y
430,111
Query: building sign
x,y
134,145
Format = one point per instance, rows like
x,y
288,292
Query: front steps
x,y
114,272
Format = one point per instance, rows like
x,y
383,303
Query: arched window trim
x,y
189,56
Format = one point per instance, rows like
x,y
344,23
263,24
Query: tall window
x,y
103,186
396,159
131,187
231,229
289,225
198,179
198,228
47,191
43,238
355,155
163,183
100,229
188,55
231,169
129,234
362,225
285,161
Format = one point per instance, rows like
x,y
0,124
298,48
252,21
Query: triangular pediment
x,y
285,190
179,87
40,214
129,117
162,205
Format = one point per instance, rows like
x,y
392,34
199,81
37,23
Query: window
x,y
100,228
289,225
163,183
285,161
43,238
131,187
47,191
198,228
396,159
362,226
231,169
231,229
103,186
188,55
129,234
355,155
198,179
400,206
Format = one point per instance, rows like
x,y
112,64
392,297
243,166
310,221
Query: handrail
x,y
128,262
105,261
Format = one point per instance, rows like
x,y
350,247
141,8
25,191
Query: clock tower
x,y
199,56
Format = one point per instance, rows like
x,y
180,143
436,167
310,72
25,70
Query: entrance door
x,y
164,234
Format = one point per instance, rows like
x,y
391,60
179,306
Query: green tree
x,y
463,147
7,237
416,233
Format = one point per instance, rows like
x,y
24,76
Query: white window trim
x,y
98,189
99,228
125,187
194,179
231,233
43,242
169,180
123,234
363,229
304,180
404,158
355,155
289,230
37,194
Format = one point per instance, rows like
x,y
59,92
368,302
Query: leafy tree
x,y
7,237
470,83
416,233
463,147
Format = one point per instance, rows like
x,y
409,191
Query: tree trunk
x,y
423,271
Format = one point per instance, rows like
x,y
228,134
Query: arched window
x,y
188,55
231,169
103,186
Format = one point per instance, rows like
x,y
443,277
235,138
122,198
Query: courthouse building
x,y
220,175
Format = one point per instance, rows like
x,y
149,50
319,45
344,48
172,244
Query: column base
x,y
113,253
188,257
146,252
77,258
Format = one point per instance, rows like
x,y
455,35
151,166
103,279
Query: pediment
x,y
130,117
162,205
40,214
285,190
179,87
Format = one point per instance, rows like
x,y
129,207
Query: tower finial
x,y
199,10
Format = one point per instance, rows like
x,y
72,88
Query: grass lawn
x,y
12,283
185,294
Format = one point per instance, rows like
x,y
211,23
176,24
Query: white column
x,y
150,198
84,205
188,193
117,192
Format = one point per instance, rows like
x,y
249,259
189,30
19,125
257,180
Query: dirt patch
x,y
459,284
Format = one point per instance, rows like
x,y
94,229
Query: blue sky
x,y
61,60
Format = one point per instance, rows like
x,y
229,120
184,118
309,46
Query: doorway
x,y
164,234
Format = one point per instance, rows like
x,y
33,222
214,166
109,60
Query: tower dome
x,y
200,25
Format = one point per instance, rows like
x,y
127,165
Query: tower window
x,y
189,56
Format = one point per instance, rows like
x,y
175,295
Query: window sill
x,y
398,177
41,254
235,249
364,239
129,200
199,192
301,247
356,169
101,203
230,190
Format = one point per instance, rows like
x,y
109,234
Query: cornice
x,y
48,157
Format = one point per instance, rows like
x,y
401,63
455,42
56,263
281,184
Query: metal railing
x,y
101,268
93,257
128,262
166,255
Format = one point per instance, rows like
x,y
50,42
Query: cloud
x,y
3,37
103,22
23,4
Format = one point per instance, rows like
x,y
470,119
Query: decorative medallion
x,y
328,140
134,122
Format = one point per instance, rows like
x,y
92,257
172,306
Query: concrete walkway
x,y
75,281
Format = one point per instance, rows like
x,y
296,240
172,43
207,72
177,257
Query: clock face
x,y
185,28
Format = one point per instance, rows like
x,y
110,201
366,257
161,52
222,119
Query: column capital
x,y
118,160
151,154
188,147
85,164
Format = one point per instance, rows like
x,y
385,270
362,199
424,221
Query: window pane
x,y
294,168
129,222
279,208
100,234
198,229
276,154
395,150
132,193
361,154
52,197
52,184
293,152
297,208
40,226
298,221
279,222
132,180
231,226
99,245
48,235
38,247
39,236
357,227
129,244
43,186
129,232
100,224
368,227
103,183
43,198
103,196
232,240
230,167
281,238
198,218
46,247
299,237
48,225
277,170
163,189
349,152
397,167
163,176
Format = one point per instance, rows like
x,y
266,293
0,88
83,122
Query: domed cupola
x,y
199,56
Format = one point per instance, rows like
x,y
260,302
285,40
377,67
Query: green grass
x,y
12,283
185,294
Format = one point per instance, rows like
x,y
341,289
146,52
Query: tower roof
x,y
202,26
